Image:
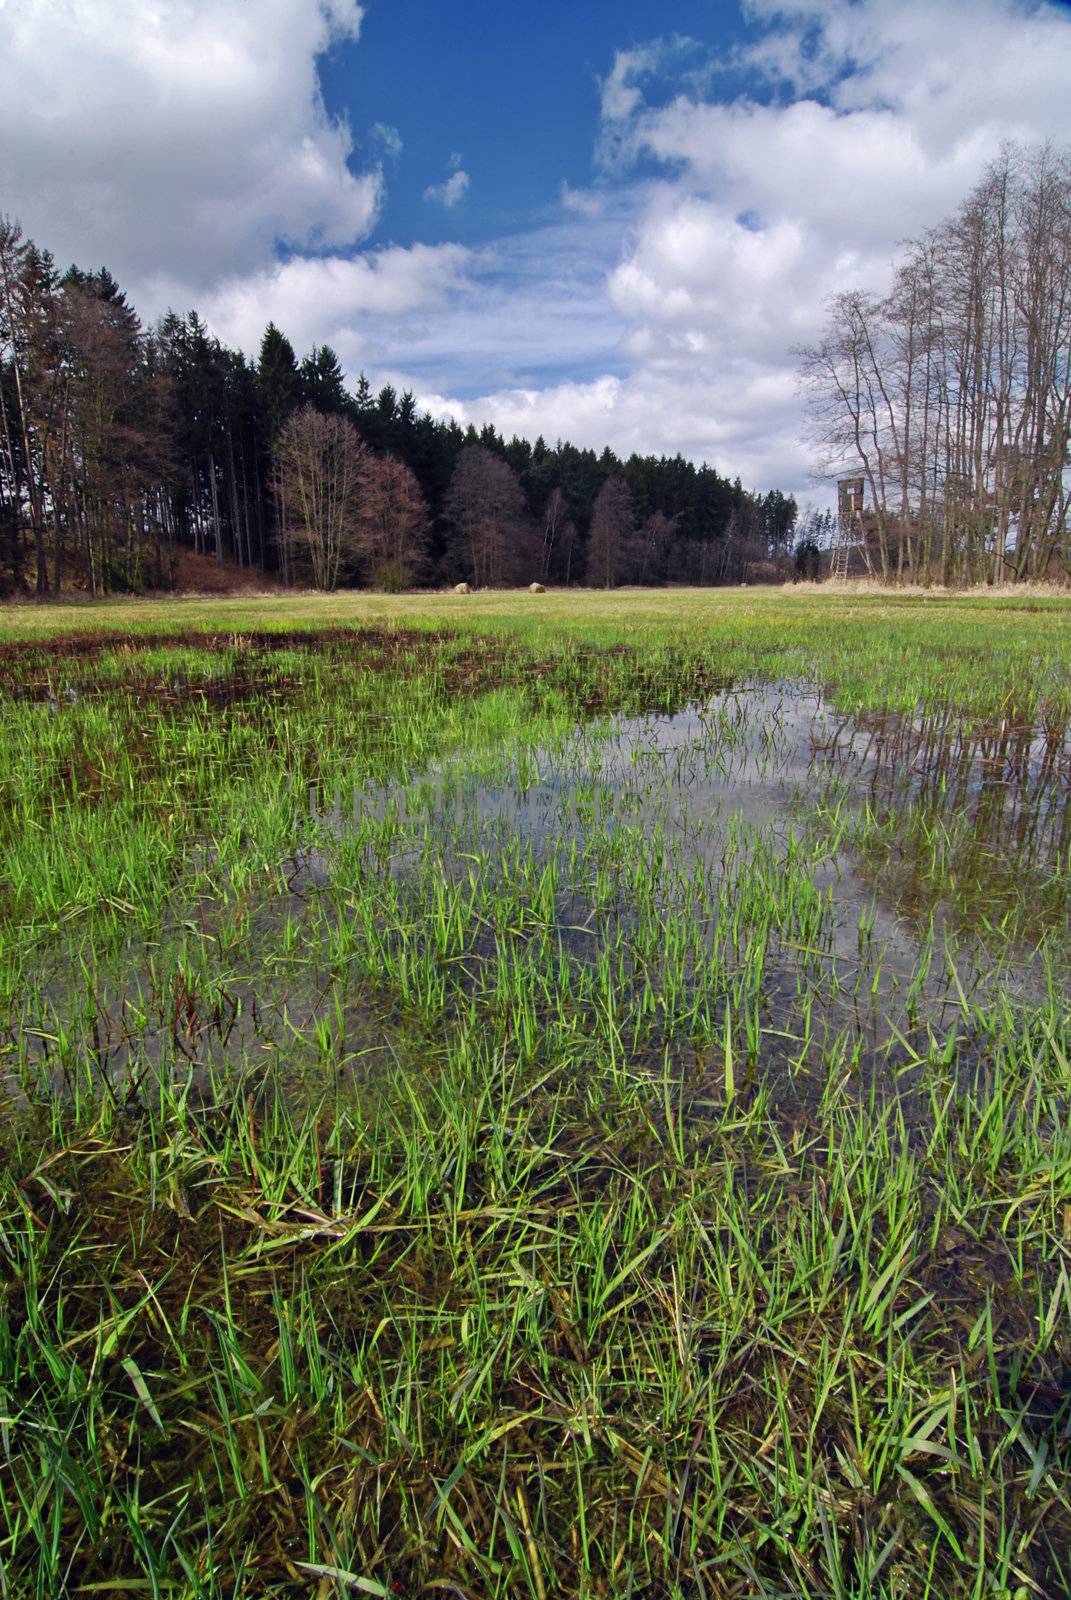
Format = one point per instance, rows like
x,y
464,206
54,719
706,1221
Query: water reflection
x,y
845,887
921,839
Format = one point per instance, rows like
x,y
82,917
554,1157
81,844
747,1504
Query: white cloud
x,y
949,66
185,134
621,91
325,298
584,201
516,314
388,138
449,192
186,144
621,94
737,419
769,203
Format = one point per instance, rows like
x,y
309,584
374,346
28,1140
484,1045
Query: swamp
x,y
536,1095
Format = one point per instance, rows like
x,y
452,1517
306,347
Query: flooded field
x,y
522,1110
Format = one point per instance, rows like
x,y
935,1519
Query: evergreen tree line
x,y
122,446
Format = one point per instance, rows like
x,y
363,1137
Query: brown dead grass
x,y
1006,591
203,575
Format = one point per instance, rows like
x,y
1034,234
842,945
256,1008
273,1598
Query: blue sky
x,y
613,223
513,91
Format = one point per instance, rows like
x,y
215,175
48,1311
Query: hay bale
x,y
462,588
536,588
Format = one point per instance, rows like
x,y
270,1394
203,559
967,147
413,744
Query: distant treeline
x,y
122,446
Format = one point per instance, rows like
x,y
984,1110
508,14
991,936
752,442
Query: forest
x,y
124,446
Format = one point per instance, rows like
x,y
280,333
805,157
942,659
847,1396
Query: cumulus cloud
x,y
328,298
868,121
950,67
186,132
655,310
622,90
737,418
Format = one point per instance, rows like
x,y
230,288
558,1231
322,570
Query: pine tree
x,y
278,379
322,383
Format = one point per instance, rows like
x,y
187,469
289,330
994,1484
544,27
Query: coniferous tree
x,y
279,390
322,382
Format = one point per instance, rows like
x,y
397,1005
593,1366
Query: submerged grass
x,y
494,1109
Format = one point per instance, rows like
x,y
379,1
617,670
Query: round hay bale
x,y
536,588
462,588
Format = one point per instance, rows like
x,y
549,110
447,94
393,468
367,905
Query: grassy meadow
x,y
513,1095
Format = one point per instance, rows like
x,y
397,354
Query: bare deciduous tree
x,y
555,518
493,540
321,465
28,327
392,524
612,526
647,550
951,395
